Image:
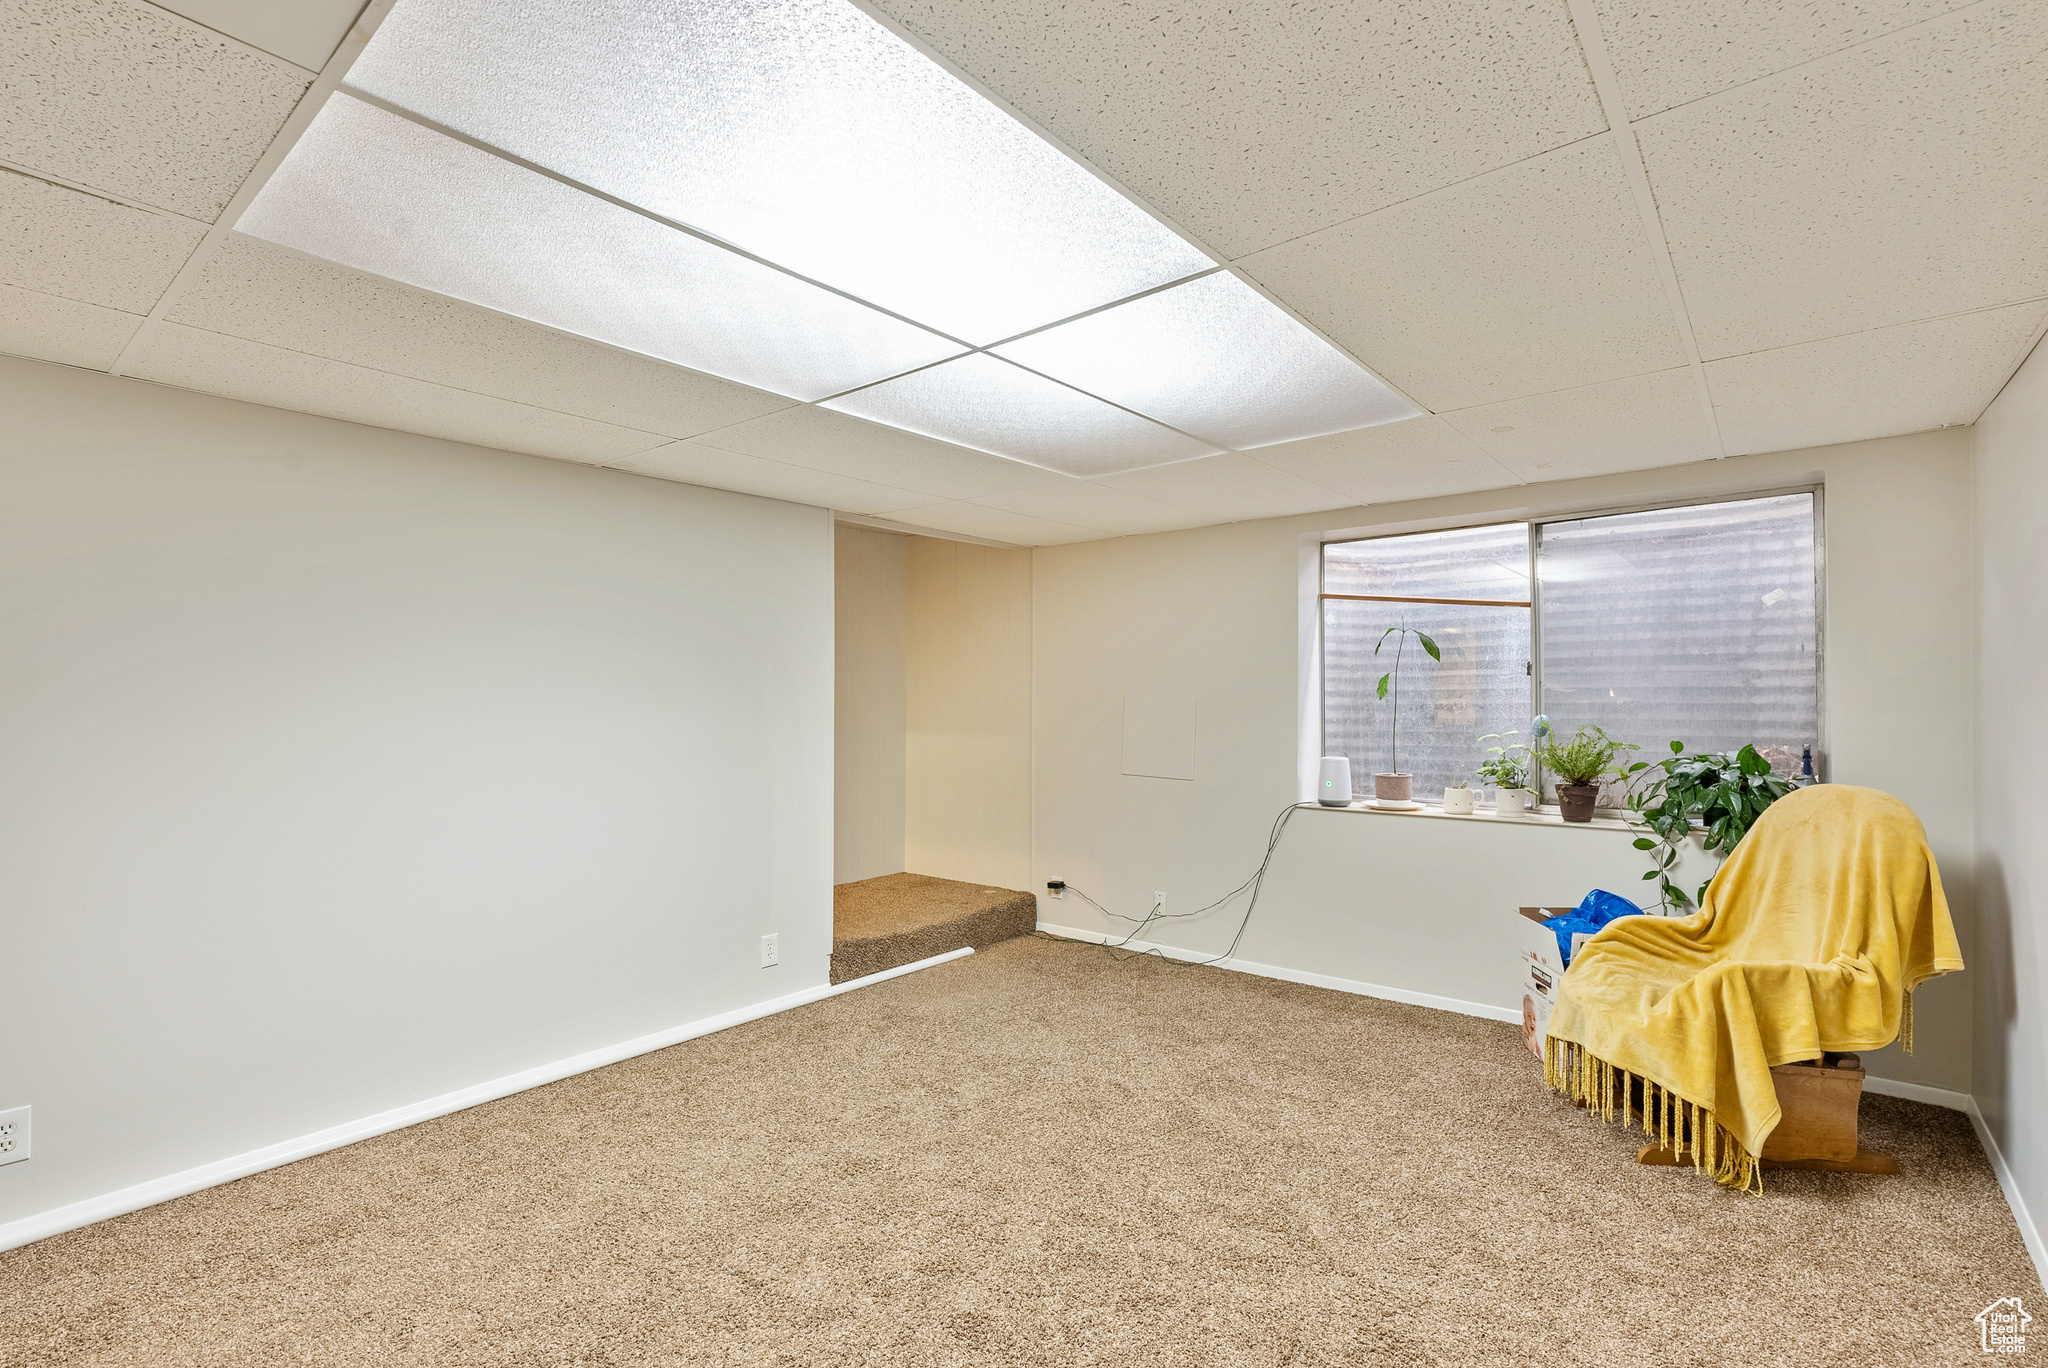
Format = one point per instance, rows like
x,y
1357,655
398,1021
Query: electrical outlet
x,y
1158,900
771,952
13,1135
1056,889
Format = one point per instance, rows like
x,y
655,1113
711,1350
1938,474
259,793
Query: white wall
x,y
872,607
342,768
969,743
1218,613
2012,872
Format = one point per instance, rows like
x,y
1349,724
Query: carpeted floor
x,y
1037,1155
899,919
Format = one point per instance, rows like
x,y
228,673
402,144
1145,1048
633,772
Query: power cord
x,y
1254,883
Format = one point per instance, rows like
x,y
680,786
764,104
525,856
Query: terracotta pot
x,y
1576,801
1393,788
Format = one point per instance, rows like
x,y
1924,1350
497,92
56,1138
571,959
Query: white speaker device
x,y
1333,789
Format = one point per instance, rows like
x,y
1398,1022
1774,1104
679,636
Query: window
x,y
1697,624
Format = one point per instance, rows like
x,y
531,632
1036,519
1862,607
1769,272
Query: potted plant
x,y
1397,786
1506,767
1723,791
1580,764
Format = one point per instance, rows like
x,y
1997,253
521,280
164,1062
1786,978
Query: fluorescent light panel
x,y
801,131
372,190
1216,358
979,401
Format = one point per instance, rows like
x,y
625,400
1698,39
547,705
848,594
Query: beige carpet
x,y
899,919
1035,1155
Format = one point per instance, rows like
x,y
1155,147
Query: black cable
x,y
1255,883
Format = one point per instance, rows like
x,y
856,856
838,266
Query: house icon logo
x,y
2003,1326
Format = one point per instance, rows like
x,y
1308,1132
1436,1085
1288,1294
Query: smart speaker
x,y
1334,788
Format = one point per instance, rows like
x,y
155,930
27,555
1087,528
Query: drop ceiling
x,y
1037,272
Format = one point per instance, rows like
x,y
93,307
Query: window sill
x,y
1544,817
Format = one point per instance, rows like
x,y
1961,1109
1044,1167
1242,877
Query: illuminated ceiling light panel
x,y
371,190
978,401
1216,358
801,131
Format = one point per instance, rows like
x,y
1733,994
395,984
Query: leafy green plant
x,y
1726,790
1587,758
1506,765
1400,635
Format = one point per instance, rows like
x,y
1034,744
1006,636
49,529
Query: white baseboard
x,y
1919,1092
2011,1188
124,1200
1274,971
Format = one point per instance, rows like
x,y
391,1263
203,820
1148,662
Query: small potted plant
x,y
1580,764
1395,785
1506,767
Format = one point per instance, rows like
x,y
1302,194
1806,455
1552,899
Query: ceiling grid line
x,y
932,54
230,39
30,173
1741,89
1608,87
301,118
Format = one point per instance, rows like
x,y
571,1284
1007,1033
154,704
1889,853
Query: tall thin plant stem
x,y
1400,645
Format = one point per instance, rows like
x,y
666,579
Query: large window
x,y
1697,624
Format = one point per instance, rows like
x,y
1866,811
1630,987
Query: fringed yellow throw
x,y
1812,937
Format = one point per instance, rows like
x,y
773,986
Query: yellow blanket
x,y
1811,937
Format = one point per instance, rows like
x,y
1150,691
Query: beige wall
x,y
1220,614
2011,967
872,612
343,769
968,770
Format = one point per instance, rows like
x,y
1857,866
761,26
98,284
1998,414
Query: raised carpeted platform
x,y
900,919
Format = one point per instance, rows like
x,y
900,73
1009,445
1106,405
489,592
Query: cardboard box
x,y
1542,968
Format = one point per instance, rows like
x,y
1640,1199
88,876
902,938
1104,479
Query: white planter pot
x,y
1458,800
1511,802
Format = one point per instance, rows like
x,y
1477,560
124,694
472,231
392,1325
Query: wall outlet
x,y
1056,889
771,952
1158,900
13,1135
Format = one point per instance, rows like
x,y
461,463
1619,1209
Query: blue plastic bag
x,y
1594,911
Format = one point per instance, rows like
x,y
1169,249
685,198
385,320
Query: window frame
x,y
1534,528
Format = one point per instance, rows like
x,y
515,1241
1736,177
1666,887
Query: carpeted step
x,y
899,919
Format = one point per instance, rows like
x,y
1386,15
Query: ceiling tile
x,y
1678,50
1899,181
302,31
841,444
65,330
62,242
369,189
252,289
1249,123
1419,459
695,463
1085,503
978,520
1216,358
191,359
1229,486
1002,409
125,98
1909,378
1524,282
802,131
1632,424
